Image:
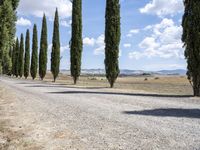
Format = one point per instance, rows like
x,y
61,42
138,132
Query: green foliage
x,y
112,40
191,39
27,55
55,54
7,33
21,57
8,18
15,4
15,59
76,43
6,59
43,49
34,58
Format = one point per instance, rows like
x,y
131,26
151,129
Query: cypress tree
x,y
191,39
16,63
13,58
6,59
27,55
112,40
21,57
76,43
7,32
34,58
43,50
55,54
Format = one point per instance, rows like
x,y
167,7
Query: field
x,y
177,85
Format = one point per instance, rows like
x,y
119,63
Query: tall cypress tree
x,y
16,63
21,57
43,50
13,58
191,39
55,54
7,32
34,58
6,59
112,40
76,43
27,55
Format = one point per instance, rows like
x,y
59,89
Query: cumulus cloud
x,y
127,45
65,23
132,32
163,7
100,45
97,43
23,22
89,41
39,7
164,42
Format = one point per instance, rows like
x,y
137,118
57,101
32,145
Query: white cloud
x,y
65,23
133,31
163,7
127,45
64,48
100,45
39,7
23,22
89,41
164,42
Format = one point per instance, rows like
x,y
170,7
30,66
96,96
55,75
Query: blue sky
x,y
151,31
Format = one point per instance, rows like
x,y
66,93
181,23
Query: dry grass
x,y
178,85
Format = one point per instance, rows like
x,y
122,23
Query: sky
x,y
150,32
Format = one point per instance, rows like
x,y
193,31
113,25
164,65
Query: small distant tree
x,y
43,50
21,57
15,60
27,55
55,54
112,40
76,40
34,58
191,39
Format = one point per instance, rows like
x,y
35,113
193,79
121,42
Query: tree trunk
x,y
112,84
196,91
75,80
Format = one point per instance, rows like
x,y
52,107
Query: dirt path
x,y
36,115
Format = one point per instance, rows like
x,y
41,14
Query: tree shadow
x,y
64,86
123,94
167,112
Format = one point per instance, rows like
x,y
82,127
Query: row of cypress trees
x,y
112,40
13,61
21,62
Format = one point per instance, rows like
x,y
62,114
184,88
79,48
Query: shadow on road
x,y
168,112
125,94
65,86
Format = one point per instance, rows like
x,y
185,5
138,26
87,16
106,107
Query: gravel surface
x,y
55,116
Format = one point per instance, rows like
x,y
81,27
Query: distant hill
x,y
127,72
178,71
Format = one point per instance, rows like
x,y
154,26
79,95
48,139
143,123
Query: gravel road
x,y
57,116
